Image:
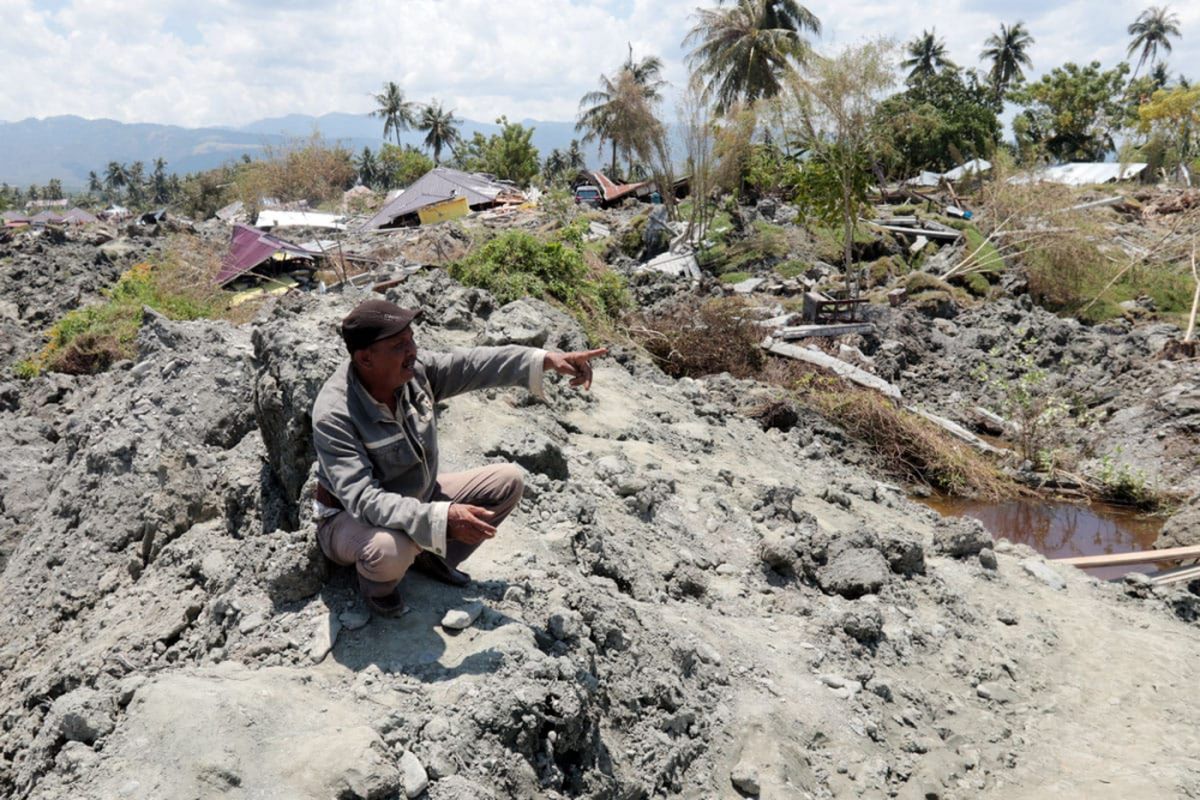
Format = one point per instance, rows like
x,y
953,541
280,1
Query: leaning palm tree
x,y
440,127
1008,52
604,114
397,113
1151,31
926,55
743,52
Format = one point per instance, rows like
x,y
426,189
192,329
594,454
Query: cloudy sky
x,y
228,62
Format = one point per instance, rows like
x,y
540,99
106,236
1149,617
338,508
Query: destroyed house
x,y
439,185
253,251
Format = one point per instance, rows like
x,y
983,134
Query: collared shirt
x,y
383,466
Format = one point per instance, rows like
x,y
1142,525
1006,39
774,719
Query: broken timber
x,y
1176,575
929,234
788,333
834,365
954,429
1137,557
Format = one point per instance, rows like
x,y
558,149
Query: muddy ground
x,y
684,605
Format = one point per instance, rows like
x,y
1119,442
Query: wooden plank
x,y
1177,575
949,235
1137,557
958,431
805,331
834,365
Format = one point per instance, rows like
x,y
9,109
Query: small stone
x,y
745,779
354,619
456,619
707,654
436,729
323,638
413,777
832,681
1044,573
854,572
987,558
725,568
83,715
992,691
1007,617
250,622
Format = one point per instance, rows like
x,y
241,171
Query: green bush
x,y
735,277
517,264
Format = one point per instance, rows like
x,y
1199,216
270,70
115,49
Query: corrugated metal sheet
x,y
1083,173
308,219
437,185
976,166
249,247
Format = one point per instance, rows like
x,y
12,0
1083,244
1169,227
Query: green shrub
x,y
735,277
517,264
791,268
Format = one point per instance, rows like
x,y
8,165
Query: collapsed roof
x,y
77,216
976,166
614,192
438,185
1083,173
249,248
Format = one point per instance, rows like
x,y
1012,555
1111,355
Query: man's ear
x,y
361,357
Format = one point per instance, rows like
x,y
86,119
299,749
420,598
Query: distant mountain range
x,y
33,151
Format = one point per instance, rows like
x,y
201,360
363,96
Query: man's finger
x,y
481,526
600,351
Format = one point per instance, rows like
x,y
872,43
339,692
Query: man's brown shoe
x,y
386,605
434,567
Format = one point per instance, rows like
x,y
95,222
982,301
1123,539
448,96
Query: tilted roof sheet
x,y
249,247
1084,173
440,183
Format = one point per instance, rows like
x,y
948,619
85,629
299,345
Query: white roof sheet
x,y
309,219
976,166
1083,173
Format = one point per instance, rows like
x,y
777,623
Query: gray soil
x,y
684,605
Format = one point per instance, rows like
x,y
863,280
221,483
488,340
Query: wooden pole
x,y
1191,328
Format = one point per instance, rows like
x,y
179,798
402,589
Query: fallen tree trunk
x,y
834,365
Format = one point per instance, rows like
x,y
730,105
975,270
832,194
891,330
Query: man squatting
x,y
380,501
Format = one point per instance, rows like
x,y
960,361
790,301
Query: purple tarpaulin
x,y
249,247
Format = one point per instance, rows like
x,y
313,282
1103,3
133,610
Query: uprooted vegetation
x,y
721,336
177,283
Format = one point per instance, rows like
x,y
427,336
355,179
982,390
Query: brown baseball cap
x,y
373,320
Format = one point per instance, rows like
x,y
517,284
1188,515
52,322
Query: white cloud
x,y
233,61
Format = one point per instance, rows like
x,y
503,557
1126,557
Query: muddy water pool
x,y
1059,529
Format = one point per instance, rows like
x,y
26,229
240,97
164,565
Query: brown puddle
x,y
1058,529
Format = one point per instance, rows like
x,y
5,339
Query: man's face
x,y
389,363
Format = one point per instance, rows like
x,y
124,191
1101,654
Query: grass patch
x,y
89,340
735,277
792,268
517,264
984,256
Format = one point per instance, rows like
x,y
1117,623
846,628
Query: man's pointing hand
x,y
576,365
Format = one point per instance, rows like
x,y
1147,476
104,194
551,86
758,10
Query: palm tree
x,y
605,115
1008,52
114,179
93,183
927,55
744,51
1150,31
441,129
158,179
368,168
397,113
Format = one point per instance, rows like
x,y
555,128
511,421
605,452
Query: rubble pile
x,y
684,604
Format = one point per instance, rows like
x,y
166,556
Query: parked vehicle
x,y
588,195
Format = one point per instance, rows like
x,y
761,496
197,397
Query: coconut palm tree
x,y
94,183
441,128
1151,31
397,113
1008,52
926,55
114,178
743,51
606,114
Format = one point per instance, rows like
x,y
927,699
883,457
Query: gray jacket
x,y
384,469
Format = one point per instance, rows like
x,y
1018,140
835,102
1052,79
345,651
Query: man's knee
x,y
385,556
511,480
